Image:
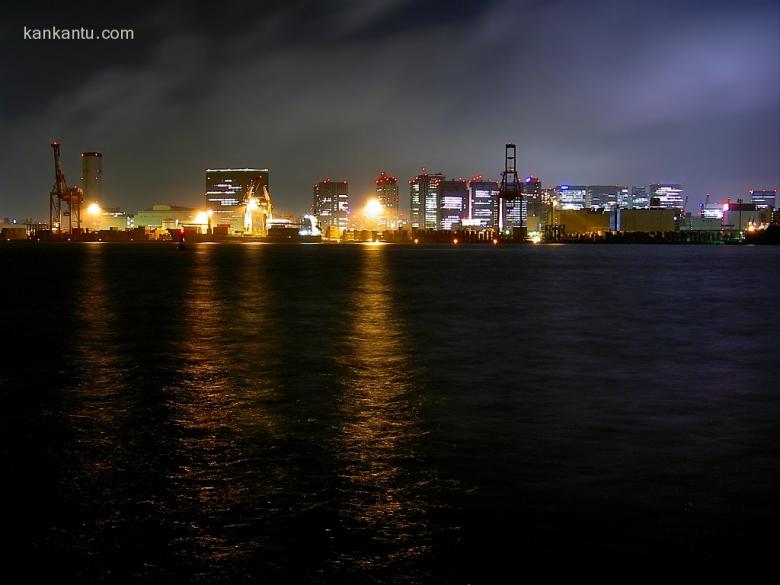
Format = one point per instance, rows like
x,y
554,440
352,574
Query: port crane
x,y
257,201
72,196
510,195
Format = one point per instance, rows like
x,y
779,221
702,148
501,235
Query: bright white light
x,y
201,217
93,209
373,209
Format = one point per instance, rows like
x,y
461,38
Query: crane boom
x,y
59,178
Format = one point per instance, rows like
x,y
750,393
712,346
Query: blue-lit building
x,y
639,198
571,196
764,198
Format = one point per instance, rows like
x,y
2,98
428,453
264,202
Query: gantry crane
x,y
258,208
510,194
60,192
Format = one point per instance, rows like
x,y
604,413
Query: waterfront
x,y
384,413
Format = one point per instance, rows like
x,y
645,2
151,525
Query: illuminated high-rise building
x,y
225,189
623,197
639,198
534,208
453,203
483,197
667,196
387,195
571,196
764,198
330,204
92,176
424,199
605,196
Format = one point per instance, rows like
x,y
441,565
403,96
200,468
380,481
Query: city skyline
x,y
692,201
699,109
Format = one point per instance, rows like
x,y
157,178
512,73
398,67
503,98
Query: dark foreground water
x,y
271,414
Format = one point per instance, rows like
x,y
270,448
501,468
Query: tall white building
x,y
667,196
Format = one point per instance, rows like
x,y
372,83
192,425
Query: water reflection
x,y
94,411
99,459
219,403
383,497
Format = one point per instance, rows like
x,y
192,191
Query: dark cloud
x,y
595,92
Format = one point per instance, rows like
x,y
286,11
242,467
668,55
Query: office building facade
x,y
387,195
483,198
225,190
606,196
330,204
453,204
639,198
764,198
534,209
571,196
667,196
424,190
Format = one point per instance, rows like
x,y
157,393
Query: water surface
x,y
271,413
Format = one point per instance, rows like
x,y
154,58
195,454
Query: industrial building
x,y
95,219
697,223
646,220
164,216
573,221
92,176
739,216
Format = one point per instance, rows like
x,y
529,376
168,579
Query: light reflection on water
x,y
380,413
379,430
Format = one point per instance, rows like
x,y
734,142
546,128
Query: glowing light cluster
x,y
373,209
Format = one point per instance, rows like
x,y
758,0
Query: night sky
x,y
596,92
